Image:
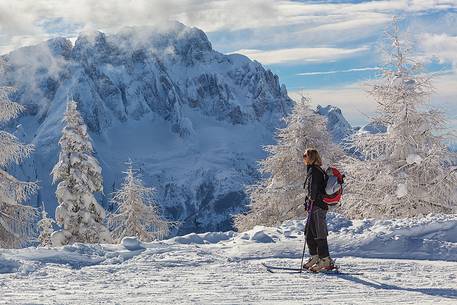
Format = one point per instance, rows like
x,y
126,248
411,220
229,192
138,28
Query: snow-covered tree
x,y
79,176
407,170
45,228
280,196
16,220
137,214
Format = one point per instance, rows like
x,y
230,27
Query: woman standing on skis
x,y
316,227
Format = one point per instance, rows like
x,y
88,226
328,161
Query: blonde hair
x,y
314,158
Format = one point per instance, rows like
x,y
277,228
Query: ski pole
x,y
310,210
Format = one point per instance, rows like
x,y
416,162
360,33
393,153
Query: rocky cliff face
x,y
192,120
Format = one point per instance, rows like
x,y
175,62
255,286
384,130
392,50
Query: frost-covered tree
x,y
16,220
280,196
407,170
45,228
79,176
137,214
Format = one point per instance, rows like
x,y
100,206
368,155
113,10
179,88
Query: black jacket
x,y
315,185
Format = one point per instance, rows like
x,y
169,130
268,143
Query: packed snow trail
x,y
226,268
191,274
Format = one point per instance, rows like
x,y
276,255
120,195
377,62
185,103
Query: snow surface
x,y
408,261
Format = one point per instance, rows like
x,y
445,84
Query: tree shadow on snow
x,y
441,292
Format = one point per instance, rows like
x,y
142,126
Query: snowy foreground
x,y
403,261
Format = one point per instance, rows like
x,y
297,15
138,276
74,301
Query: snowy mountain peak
x,y
90,40
60,46
193,119
337,124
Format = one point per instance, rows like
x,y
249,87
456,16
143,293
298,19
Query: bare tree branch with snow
x,y
16,220
407,170
137,214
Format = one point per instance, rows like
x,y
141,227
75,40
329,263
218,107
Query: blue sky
x,y
325,49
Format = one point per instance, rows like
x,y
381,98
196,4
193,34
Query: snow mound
x,y
432,237
261,234
203,238
132,243
74,256
8,265
261,237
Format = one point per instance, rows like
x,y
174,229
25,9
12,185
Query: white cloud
x,y
298,24
309,55
440,46
339,71
357,106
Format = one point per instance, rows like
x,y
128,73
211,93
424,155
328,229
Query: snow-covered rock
x,y
131,243
193,120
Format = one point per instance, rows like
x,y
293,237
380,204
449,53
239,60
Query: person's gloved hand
x,y
308,204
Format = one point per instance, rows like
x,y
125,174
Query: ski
x,y
280,269
277,269
335,272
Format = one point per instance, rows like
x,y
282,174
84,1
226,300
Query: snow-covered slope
x,y
191,119
382,262
372,128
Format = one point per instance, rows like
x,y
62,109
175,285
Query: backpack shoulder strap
x,y
322,171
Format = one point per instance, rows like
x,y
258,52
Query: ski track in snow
x,y
226,268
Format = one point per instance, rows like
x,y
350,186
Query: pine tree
x,y
407,170
79,176
137,213
45,227
16,220
280,196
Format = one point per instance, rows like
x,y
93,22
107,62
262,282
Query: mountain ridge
x,y
192,120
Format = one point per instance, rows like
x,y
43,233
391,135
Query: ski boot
x,y
323,265
312,260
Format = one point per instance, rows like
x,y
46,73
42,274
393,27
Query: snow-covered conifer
x,y
137,213
45,228
407,170
79,176
16,220
280,196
